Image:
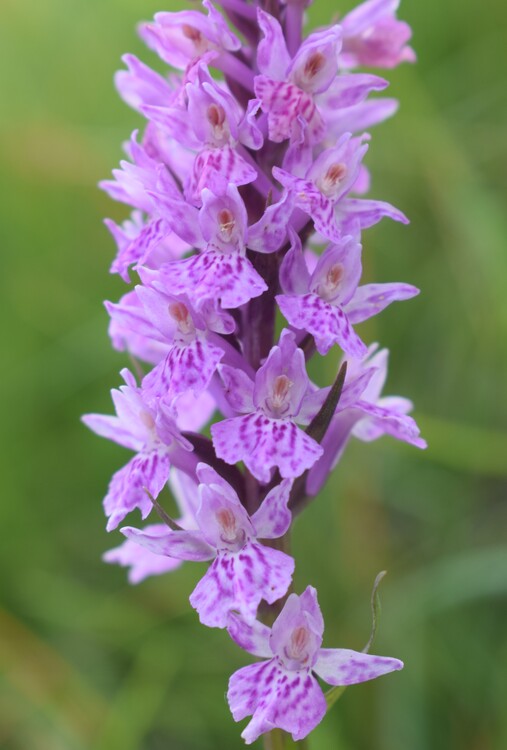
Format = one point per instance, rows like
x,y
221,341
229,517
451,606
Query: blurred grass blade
x,y
465,448
333,695
46,680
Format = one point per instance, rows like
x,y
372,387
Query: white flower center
x,y
181,315
299,640
279,401
329,286
147,419
192,33
305,76
227,224
218,121
329,184
230,533
314,64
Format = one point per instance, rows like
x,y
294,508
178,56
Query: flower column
x,y
253,147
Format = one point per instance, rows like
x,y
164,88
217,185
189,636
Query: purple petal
x,y
141,562
208,476
137,250
310,605
292,701
112,429
185,491
230,277
360,117
351,211
250,636
371,299
323,216
273,58
238,388
340,666
273,518
294,274
354,388
140,84
249,133
373,36
268,234
264,443
156,244
130,316
194,412
349,89
284,103
213,597
182,545
166,428
386,421
239,581
126,489
366,15
363,183
215,169
180,216
247,685
397,404
173,121
267,574
328,324
217,320
185,368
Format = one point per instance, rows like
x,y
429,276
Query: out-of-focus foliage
x,y
87,661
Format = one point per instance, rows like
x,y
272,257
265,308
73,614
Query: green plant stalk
x,y
280,740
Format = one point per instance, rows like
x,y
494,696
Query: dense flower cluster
x,y
248,194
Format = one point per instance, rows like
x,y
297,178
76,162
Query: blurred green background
x,y
86,661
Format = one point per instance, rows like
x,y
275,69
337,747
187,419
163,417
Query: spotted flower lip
x,y
267,434
323,193
287,86
191,351
283,691
243,571
329,301
153,434
210,122
219,229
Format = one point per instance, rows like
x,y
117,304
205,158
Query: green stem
x,y
279,740
269,612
